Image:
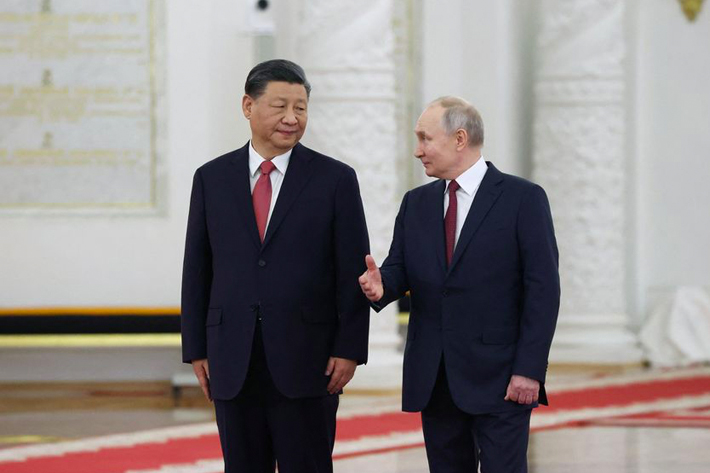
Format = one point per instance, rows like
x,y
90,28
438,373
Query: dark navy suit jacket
x,y
492,312
302,281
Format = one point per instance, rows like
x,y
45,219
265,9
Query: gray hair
x,y
459,114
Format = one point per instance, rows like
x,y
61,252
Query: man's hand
x,y
202,371
371,280
522,390
341,371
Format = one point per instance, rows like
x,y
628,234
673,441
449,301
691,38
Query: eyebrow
x,y
286,99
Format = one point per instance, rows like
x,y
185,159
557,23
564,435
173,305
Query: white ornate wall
x,y
105,261
482,51
347,50
600,192
580,157
673,111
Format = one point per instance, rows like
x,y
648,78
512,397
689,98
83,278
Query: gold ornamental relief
x,y
691,8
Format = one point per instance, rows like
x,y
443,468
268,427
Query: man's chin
x,y
286,143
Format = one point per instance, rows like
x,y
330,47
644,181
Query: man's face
x,y
277,118
435,148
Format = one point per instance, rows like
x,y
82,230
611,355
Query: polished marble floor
x,y
32,413
579,450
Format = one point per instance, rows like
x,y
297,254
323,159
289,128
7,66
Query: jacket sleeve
x,y
351,246
196,277
541,285
393,269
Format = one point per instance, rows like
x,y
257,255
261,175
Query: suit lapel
x,y
434,225
486,196
239,178
297,175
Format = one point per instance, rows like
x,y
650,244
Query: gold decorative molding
x,y
691,8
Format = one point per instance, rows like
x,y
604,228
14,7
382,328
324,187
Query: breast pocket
x,y
495,231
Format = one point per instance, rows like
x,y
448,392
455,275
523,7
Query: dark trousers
x,y
261,427
457,441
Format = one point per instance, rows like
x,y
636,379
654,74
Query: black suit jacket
x,y
302,281
492,312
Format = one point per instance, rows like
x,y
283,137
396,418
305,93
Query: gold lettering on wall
x,y
47,141
46,6
77,101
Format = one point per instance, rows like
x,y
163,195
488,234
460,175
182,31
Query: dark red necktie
x,y
450,221
262,197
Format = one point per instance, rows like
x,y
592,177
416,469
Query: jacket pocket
x,y
501,336
214,317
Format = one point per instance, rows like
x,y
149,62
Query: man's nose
x,y
290,117
418,152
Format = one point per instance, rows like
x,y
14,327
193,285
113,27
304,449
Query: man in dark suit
x,y
477,251
273,320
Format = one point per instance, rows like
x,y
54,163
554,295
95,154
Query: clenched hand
x,y
522,390
202,371
341,371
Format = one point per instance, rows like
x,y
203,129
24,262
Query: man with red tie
x,y
273,320
477,251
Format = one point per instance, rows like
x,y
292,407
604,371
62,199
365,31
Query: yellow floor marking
x,y
28,439
97,311
91,340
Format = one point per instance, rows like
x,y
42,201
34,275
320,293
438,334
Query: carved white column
x,y
347,50
581,160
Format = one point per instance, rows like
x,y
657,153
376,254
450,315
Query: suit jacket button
x,y
444,293
262,263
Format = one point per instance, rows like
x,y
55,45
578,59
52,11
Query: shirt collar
x,y
471,177
255,160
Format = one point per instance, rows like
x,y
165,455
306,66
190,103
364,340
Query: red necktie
x,y
262,197
450,221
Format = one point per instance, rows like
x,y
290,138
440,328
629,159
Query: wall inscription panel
x,y
78,104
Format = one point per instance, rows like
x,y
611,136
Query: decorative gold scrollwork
x,y
691,8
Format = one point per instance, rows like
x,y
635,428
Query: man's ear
x,y
461,139
247,103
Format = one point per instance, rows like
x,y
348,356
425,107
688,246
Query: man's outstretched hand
x,y
371,280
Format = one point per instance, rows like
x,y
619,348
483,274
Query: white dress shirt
x,y
277,175
469,182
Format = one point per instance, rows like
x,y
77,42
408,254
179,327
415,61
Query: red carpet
x,y
679,398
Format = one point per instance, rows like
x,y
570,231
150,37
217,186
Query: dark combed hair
x,y
275,70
